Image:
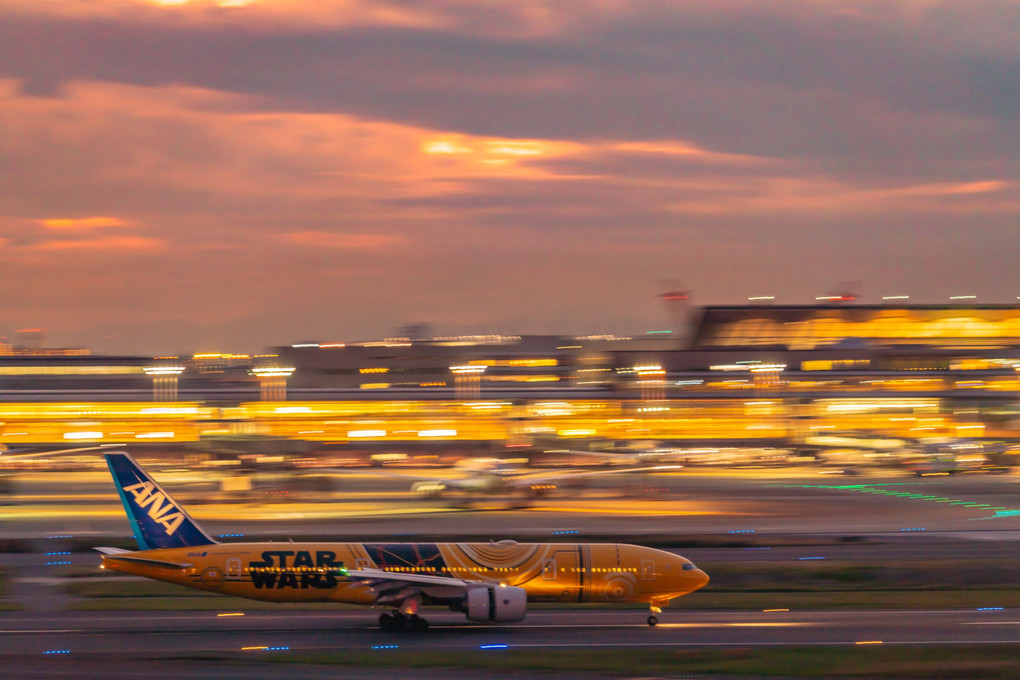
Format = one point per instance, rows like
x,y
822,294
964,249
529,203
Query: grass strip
x,y
991,662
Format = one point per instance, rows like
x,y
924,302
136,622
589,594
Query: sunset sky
x,y
181,176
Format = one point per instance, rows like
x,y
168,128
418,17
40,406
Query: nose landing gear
x,y
652,618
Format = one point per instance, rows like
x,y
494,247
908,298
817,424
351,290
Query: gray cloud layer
x,y
787,145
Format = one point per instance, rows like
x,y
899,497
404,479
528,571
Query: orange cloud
x,y
83,223
119,243
825,195
676,148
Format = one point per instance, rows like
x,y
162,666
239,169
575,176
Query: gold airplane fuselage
x,y
317,572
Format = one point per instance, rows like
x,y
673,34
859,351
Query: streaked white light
x,y
437,433
83,435
366,433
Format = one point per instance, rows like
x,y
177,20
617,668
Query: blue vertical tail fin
x,y
157,520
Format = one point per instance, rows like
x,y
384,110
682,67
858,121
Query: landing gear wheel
x,y
386,621
652,620
420,624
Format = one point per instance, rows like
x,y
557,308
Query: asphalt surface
x,y
194,633
755,516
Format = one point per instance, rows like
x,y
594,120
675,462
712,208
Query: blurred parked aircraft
x,y
496,477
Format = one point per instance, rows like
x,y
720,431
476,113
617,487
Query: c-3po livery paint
x,y
485,581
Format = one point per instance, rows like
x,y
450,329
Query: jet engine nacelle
x,y
497,603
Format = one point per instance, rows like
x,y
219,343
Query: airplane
x,y
493,476
19,454
487,582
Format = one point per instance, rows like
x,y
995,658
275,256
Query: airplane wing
x,y
528,480
12,455
378,576
608,456
393,588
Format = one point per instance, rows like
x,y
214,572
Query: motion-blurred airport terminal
x,y
841,384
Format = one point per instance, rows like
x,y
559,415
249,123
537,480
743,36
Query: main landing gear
x,y
398,622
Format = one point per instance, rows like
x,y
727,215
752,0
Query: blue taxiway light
x,y
741,531
56,553
565,531
58,651
53,564
230,536
810,558
61,536
914,529
385,646
500,646
989,609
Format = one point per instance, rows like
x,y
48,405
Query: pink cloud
x,y
338,241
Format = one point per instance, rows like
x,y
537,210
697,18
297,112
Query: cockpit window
x,y
688,566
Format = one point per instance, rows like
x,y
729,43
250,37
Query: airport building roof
x,y
862,326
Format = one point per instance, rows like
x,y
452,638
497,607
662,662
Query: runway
x,y
181,634
763,517
686,503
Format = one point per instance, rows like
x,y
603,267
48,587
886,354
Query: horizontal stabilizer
x,y
148,562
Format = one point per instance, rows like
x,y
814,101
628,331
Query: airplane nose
x,y
702,579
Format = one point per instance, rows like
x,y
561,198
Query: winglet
x,y
156,519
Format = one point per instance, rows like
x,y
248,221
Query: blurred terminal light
x,y
163,370
273,371
366,433
768,368
467,369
